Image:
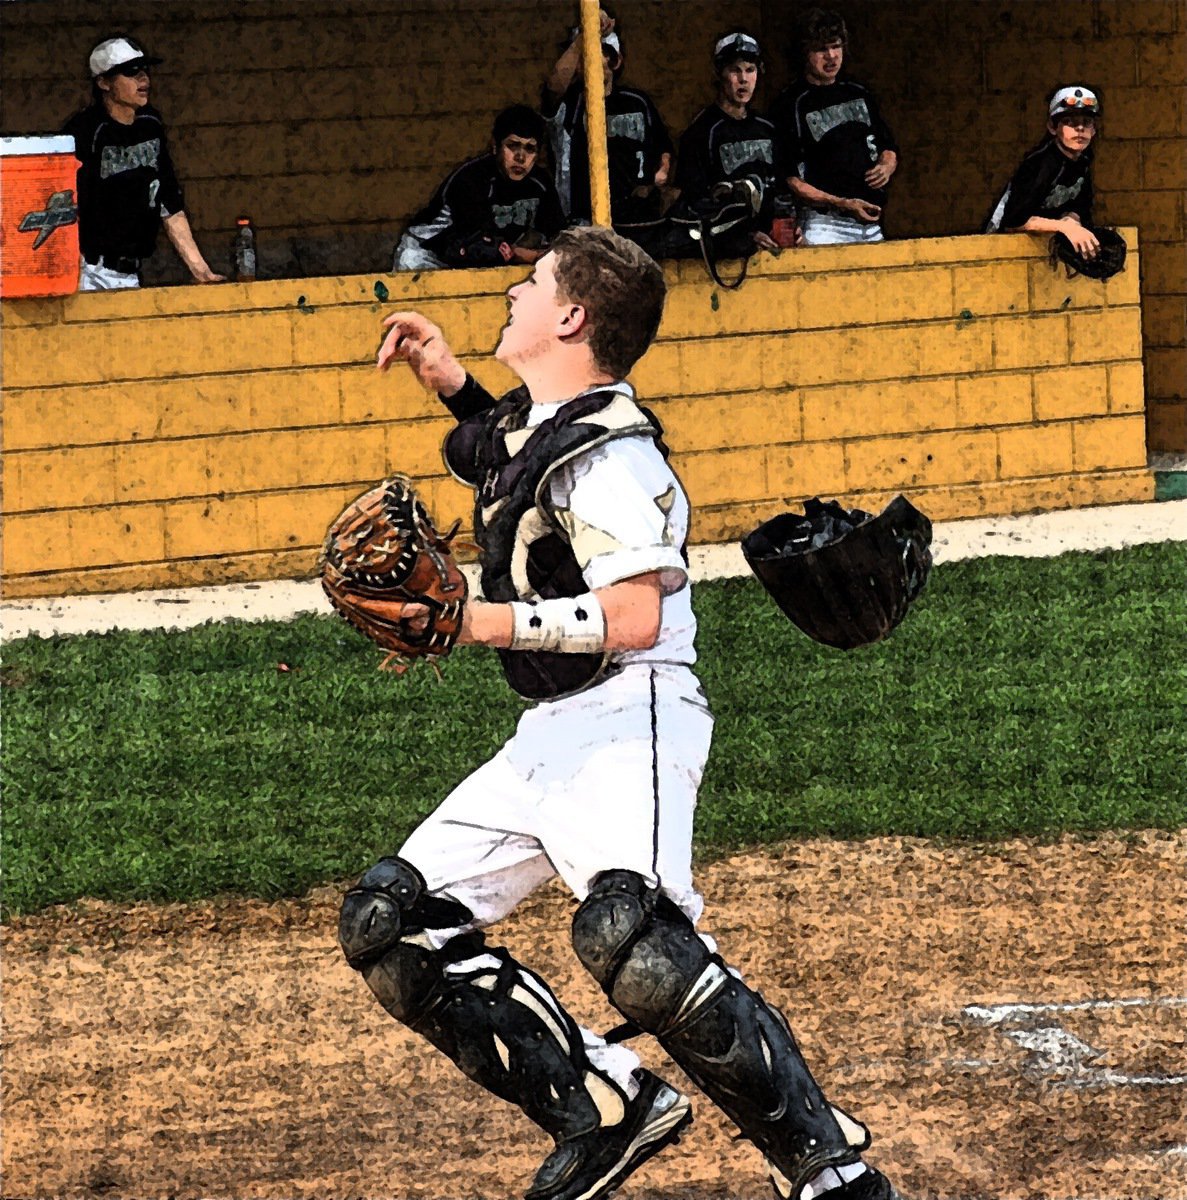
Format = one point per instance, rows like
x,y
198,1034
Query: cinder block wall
x,y
331,121
195,435
963,83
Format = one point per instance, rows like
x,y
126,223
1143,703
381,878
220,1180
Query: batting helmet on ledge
x,y
1110,257
845,577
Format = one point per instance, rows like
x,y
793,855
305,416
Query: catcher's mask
x,y
1110,258
845,577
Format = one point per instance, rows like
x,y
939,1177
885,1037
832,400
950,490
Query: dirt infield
x,y
1009,1020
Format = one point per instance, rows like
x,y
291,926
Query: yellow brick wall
x,y
963,84
331,121
194,435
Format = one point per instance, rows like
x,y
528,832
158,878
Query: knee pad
x,y
388,904
498,1021
640,947
380,919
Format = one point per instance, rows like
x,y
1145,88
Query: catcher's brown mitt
x,y
381,556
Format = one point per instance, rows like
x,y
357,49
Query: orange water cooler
x,y
38,217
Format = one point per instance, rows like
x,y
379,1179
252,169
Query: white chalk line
x,y
1056,1055
994,1013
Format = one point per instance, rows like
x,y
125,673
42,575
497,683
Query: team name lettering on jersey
x,y
839,114
115,160
736,154
626,125
1061,194
520,212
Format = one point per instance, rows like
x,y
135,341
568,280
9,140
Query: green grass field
x,y
1019,697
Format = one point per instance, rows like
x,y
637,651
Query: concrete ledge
x,y
1039,536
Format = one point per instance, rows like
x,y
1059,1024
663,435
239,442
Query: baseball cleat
x,y
869,1185
591,1166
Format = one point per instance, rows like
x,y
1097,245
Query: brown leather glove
x,y
389,572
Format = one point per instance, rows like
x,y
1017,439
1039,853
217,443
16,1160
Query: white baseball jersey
x,y
627,514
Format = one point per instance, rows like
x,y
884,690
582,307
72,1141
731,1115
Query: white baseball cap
x,y
118,52
1074,99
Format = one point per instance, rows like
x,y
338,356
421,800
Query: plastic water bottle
x,y
245,251
783,223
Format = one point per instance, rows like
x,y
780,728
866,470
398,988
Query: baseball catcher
x,y
584,594
845,577
389,572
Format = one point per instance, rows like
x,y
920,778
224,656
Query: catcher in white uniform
x,y
586,598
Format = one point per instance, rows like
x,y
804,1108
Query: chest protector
x,y
526,554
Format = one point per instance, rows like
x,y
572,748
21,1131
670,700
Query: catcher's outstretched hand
x,y
414,339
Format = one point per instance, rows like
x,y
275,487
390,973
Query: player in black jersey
x,y
638,147
729,142
496,209
127,187
1051,192
839,152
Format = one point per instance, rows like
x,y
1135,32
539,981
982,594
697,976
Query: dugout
x,y
164,417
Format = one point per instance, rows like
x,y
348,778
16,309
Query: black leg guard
x,y
737,1049
496,1020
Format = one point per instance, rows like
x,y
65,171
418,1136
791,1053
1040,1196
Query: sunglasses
x,y
1079,102
130,70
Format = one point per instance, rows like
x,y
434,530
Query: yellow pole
x,y
595,111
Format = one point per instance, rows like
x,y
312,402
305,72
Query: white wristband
x,y
573,625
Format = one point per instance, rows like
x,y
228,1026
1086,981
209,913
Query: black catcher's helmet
x,y
845,577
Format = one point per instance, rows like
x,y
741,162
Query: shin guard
x,y
736,1047
498,1021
